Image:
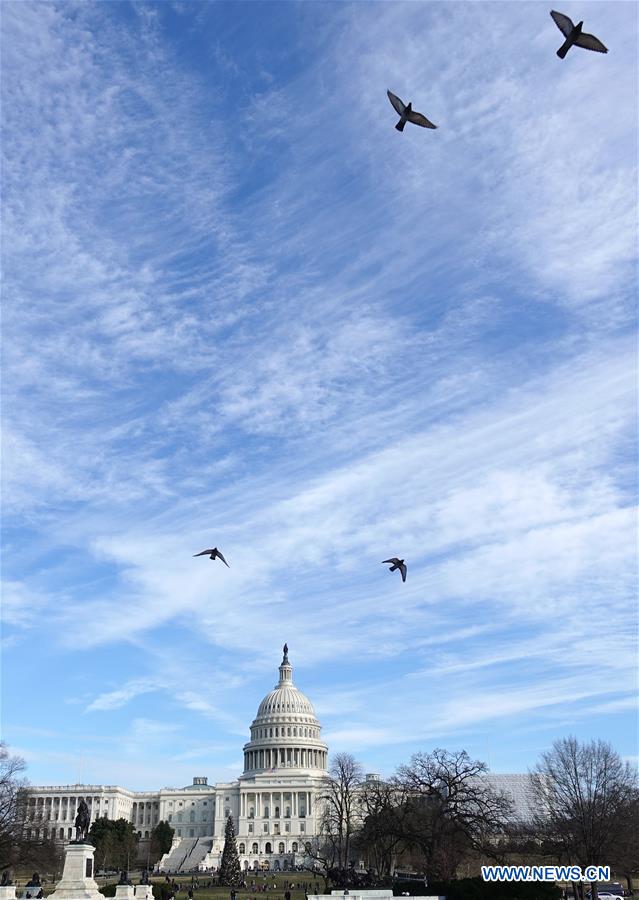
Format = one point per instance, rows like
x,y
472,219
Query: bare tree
x,y
11,807
451,810
341,813
19,845
381,836
585,797
625,854
321,850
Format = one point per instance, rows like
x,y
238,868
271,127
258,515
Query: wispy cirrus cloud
x,y
117,698
242,308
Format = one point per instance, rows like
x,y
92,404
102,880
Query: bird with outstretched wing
x,y
396,564
575,37
212,553
407,113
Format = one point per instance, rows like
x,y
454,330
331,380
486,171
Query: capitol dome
x,y
285,734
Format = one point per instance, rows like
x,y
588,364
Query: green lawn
x,y
206,893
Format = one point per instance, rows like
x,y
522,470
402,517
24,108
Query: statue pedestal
x,y
77,881
142,892
7,892
124,892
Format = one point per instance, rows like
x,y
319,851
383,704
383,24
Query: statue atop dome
x,y
285,660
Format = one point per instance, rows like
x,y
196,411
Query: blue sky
x,y
241,309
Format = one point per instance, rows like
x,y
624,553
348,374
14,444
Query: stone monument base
x,y
77,882
7,892
144,892
124,892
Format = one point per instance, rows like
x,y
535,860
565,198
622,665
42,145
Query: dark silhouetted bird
x,y
406,114
212,554
574,35
396,564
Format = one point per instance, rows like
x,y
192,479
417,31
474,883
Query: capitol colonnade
x,y
275,804
282,757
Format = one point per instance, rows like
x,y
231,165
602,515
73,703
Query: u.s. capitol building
x,y
275,803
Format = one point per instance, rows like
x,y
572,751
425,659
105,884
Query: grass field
x,y
282,880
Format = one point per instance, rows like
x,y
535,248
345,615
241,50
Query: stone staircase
x,y
197,854
186,855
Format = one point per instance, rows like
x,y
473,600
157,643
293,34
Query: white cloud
x,y
120,697
318,343
20,606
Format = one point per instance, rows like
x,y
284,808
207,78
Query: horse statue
x,y
82,822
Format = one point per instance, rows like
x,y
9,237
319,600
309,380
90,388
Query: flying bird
x,y
574,35
212,553
407,114
396,564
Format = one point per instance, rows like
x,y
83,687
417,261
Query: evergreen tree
x,y
230,871
161,840
115,842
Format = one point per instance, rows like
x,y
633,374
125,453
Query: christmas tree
x,y
230,872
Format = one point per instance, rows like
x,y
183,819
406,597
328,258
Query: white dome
x,y
285,699
286,732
